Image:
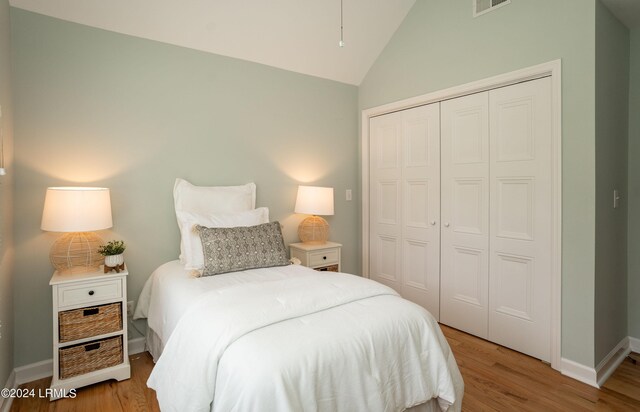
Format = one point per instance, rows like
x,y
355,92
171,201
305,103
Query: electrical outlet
x,y
348,195
130,306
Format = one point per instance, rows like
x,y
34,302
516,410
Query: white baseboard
x,y
137,345
5,403
579,372
44,369
34,371
597,376
610,363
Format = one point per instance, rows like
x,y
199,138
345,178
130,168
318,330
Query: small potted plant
x,y
113,254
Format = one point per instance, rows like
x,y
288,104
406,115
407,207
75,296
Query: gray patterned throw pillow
x,y
239,248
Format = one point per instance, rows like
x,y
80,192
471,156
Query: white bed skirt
x,y
154,344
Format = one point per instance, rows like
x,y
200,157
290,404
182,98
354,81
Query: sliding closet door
x,y
465,213
404,203
520,233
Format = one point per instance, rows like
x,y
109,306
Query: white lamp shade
x,y
76,209
314,200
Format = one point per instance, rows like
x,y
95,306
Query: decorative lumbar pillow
x,y
205,200
192,252
240,248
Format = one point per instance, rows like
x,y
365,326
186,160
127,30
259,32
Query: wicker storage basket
x,y
92,356
332,268
86,322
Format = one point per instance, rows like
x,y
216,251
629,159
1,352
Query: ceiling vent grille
x,y
481,7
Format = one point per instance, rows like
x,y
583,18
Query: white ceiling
x,y
627,11
296,35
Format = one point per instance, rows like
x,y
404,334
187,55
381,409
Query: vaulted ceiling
x,y
297,35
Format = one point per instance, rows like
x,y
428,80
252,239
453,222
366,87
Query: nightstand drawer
x,y
88,357
323,257
69,295
89,321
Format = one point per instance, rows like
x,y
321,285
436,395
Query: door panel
x,y
388,201
465,213
468,206
514,207
404,202
416,258
385,200
520,241
466,275
421,212
417,196
386,260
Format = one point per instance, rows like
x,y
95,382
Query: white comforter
x,y
318,342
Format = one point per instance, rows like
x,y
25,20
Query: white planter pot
x,y
114,260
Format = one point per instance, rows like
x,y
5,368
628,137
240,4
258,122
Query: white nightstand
x,y
325,257
89,329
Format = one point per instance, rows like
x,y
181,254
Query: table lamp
x,y
314,201
76,211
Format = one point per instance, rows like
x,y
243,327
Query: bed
x,y
288,338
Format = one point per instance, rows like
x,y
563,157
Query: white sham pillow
x,y
193,253
213,199
205,200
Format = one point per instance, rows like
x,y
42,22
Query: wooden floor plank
x,y
496,379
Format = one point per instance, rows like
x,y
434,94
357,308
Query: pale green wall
x,y
99,108
440,45
634,187
612,125
6,202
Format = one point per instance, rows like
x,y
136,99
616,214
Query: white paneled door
x,y
465,213
464,209
521,217
405,203
497,216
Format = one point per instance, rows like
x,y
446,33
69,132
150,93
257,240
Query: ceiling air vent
x,y
484,6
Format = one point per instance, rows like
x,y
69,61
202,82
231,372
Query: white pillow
x,y
206,200
193,253
213,199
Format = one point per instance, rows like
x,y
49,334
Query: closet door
x,y
520,232
421,207
385,229
465,213
405,204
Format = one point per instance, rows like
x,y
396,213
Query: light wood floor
x,y
496,379
499,379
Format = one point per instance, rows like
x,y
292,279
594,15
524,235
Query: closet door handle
x,y
446,224
433,223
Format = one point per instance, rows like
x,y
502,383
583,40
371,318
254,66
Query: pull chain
x,y
3,171
341,43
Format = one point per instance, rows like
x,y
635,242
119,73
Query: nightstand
x,y
325,257
89,330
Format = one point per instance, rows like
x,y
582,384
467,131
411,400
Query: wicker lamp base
x,y
76,252
313,230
